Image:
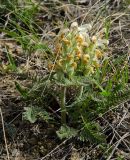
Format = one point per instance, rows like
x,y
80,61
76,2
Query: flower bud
x,y
74,26
94,39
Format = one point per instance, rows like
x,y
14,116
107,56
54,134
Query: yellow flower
x,y
78,54
85,61
80,39
69,57
85,58
98,53
74,65
66,41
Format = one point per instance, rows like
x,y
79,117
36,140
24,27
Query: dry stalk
x,y
5,140
123,137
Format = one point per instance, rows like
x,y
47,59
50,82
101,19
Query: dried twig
x,y
123,137
5,140
54,150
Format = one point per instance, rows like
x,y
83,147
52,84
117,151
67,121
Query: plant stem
x,y
80,92
63,106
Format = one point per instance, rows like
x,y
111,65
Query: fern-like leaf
x,y
33,113
66,132
30,114
92,133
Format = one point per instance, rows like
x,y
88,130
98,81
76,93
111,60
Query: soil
x,y
39,141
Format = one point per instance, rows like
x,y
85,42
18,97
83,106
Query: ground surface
x,y
27,141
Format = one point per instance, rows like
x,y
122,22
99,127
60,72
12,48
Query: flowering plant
x,y
83,80
76,55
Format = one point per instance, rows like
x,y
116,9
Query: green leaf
x,y
66,132
105,93
44,115
30,114
12,65
91,132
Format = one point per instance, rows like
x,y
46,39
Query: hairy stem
x,y
63,106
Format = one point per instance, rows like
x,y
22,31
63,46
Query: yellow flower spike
x,y
74,65
94,39
98,53
66,41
